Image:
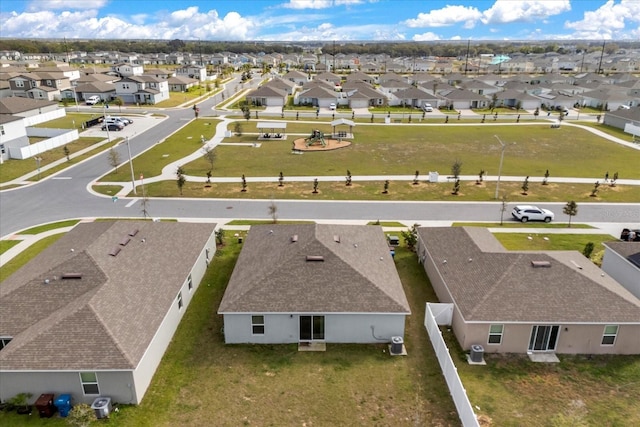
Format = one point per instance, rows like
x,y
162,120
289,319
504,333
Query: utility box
x,y
433,176
63,403
44,405
102,407
393,240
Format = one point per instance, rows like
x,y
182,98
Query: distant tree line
x,y
394,49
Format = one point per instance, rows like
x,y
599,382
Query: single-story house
x,y
527,301
314,282
267,96
93,314
622,262
623,117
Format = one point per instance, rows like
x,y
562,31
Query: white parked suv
x,y
93,100
526,213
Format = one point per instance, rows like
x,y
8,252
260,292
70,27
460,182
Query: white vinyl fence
x,y
458,393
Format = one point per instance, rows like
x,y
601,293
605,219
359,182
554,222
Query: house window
x,y
190,283
179,301
495,334
1,130
610,334
19,83
257,325
89,382
4,341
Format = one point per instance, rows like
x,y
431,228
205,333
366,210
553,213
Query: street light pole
x,y
500,167
104,118
133,180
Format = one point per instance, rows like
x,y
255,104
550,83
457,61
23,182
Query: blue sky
x,y
322,20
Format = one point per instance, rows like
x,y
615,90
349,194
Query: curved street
x,y
67,195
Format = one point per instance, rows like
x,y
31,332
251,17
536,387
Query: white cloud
x,y
607,22
327,31
40,5
506,11
447,16
428,36
308,4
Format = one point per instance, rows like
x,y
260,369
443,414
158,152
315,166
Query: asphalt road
x,y
66,196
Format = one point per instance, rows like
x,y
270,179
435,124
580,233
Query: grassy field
x,y
14,168
50,226
398,190
24,257
517,224
401,150
5,245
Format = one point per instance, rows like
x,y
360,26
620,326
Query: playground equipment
x,y
316,137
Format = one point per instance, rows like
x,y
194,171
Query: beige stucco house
x,y
519,302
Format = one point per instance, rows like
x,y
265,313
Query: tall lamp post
x,y
133,180
500,167
104,118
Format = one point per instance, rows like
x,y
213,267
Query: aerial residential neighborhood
x,y
202,225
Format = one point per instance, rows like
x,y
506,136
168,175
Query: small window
x,y
257,325
89,382
19,83
610,334
179,301
495,334
190,283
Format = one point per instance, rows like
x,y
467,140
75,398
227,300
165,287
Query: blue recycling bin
x,y
63,403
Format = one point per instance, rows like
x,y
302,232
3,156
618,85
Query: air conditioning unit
x,y
396,345
477,354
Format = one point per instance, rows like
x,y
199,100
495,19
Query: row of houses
x,y
455,91
129,82
94,313
318,59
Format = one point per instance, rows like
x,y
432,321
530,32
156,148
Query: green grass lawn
x,y
392,150
52,226
14,168
400,190
5,245
550,242
24,257
509,223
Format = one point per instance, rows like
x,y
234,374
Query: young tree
x,y
144,203
237,128
66,152
594,192
456,187
415,178
119,102
315,185
525,186
571,209
588,249
348,178
480,177
181,178
273,212
210,156
456,168
114,159
411,236
385,189
503,208
244,184
546,178
220,236
613,180
536,113
280,180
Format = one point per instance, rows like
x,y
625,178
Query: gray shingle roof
x,y
107,318
503,286
273,275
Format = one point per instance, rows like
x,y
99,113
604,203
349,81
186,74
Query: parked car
x,y
628,235
125,120
113,126
526,213
332,106
119,120
93,100
427,108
